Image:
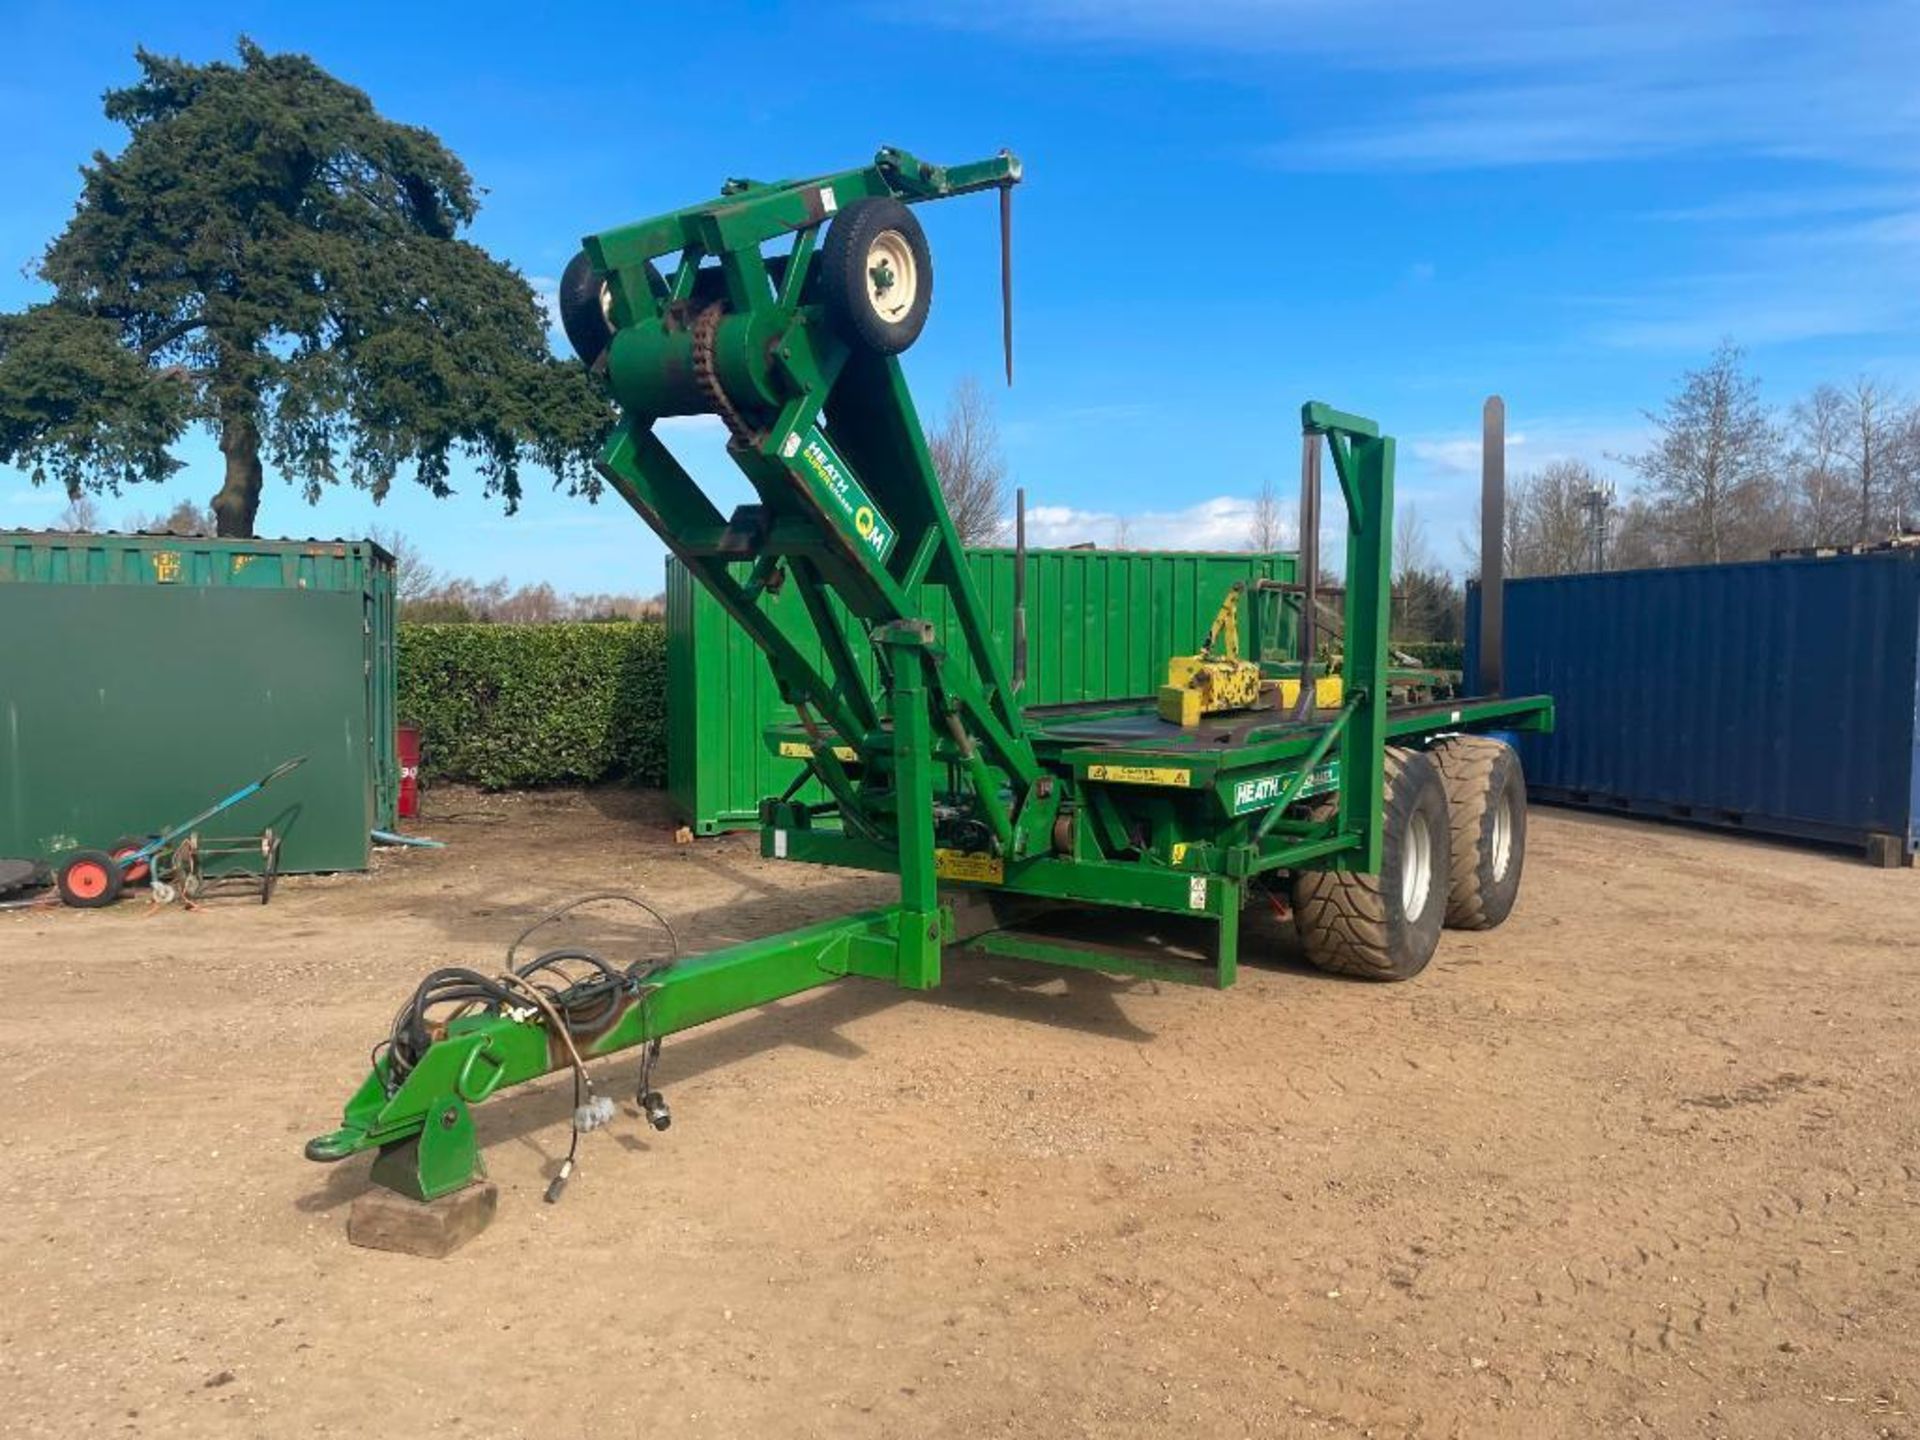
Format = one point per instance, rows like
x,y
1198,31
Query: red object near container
x,y
407,739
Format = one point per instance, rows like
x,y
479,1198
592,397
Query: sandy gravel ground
x,y
1642,1162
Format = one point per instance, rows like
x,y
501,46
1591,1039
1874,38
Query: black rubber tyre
x,y
876,275
19,874
1362,925
89,879
583,309
1487,805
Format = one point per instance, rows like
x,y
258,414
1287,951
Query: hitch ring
x,y
464,1085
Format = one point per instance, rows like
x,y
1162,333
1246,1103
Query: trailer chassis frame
x,y
984,810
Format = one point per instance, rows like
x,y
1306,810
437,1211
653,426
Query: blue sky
x,y
1230,207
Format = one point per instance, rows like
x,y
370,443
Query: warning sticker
x,y
800,750
975,865
1141,775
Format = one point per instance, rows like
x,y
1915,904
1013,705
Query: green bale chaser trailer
x,y
783,309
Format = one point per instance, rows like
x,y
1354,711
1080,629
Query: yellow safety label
x,y
800,750
974,865
1141,775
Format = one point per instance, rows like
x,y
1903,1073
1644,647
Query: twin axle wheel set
x,y
1455,836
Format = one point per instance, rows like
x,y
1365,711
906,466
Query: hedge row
x,y
505,706
1438,654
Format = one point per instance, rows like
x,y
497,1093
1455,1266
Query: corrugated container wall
x,y
1777,696
147,676
1100,626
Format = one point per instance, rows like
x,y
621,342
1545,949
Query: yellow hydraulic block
x,y
1206,683
1326,691
1197,685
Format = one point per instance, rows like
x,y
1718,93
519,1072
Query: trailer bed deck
x,y
1135,726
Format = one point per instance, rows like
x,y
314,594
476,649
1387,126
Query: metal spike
x,y
1006,276
1493,539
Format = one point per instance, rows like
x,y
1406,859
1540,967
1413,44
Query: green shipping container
x,y
1100,626
147,676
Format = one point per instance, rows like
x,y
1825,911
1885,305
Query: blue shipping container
x,y
1778,697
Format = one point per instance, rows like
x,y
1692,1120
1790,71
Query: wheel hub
x,y
893,279
1502,846
1416,867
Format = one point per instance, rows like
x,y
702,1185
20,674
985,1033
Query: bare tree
x,y
1551,520
413,578
1267,532
81,513
495,602
1873,427
1428,605
457,600
1817,468
1470,539
1122,532
1638,542
530,605
973,473
185,519
1712,474
1551,516
1409,543
616,607
1424,596
1906,513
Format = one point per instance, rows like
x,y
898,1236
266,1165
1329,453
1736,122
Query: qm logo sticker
x,y
838,493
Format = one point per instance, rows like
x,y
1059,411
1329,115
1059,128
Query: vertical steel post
x,y
1006,274
913,776
1019,589
1493,539
1309,576
1367,476
1226,952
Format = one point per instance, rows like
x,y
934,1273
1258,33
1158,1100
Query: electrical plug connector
x,y
591,1116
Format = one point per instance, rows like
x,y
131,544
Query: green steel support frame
x,y
972,801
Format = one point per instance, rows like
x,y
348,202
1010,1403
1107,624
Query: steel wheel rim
x,y
1502,836
1416,867
87,880
893,278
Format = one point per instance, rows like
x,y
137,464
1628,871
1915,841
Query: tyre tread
x,y
1341,916
1465,763
1470,768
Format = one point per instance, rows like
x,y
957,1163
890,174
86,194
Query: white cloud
x,y
1542,443
32,497
1221,523
1860,276
1455,454
1486,83
1800,202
